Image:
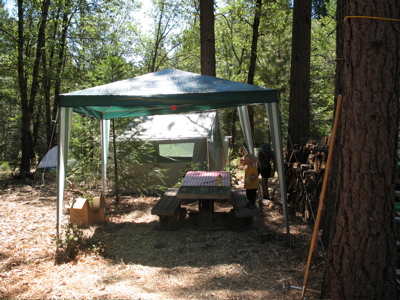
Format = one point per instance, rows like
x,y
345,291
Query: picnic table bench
x,y
168,209
239,201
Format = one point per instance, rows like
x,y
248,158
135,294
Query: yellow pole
x,y
322,196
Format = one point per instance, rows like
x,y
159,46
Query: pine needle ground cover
x,y
136,260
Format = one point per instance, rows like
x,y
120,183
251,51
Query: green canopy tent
x,y
164,92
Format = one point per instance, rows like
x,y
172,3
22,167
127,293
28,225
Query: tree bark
x,y
299,106
28,102
253,58
26,135
60,60
254,42
207,38
362,250
159,36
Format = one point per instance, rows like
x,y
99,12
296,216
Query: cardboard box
x,y
99,202
81,213
96,215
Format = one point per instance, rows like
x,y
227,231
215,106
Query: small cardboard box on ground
x,y
81,213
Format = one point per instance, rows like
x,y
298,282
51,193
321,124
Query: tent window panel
x,y
177,150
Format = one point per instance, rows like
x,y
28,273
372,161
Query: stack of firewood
x,y
305,168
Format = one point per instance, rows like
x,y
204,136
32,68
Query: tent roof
x,y
155,93
175,127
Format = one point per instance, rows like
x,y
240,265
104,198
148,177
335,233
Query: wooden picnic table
x,y
203,186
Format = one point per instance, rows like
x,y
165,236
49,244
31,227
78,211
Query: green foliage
x,y
5,170
10,111
323,64
131,154
85,145
157,48
74,242
232,167
132,151
234,31
89,198
91,43
5,167
320,9
110,69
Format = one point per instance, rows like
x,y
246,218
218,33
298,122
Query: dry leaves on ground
x,y
143,262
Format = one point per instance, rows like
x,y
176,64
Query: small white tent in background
x,y
49,160
180,139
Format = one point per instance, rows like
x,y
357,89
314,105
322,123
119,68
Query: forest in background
x,y
72,45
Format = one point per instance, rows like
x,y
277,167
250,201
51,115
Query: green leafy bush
x,y
132,151
5,167
74,242
86,150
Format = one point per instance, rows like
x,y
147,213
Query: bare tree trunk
x,y
253,58
254,43
299,106
159,36
60,60
207,37
362,250
46,91
28,102
26,135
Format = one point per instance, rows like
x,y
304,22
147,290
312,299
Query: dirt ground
x,y
141,261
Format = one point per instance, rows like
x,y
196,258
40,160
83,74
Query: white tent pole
x,y
105,141
245,122
64,129
275,128
222,144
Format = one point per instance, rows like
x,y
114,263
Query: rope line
x,y
367,17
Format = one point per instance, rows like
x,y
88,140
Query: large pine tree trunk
x,y
299,105
362,252
207,37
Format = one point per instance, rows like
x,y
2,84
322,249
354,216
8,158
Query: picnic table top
x,y
206,178
203,185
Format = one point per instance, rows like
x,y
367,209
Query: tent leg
x,y
105,141
245,123
275,127
64,123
